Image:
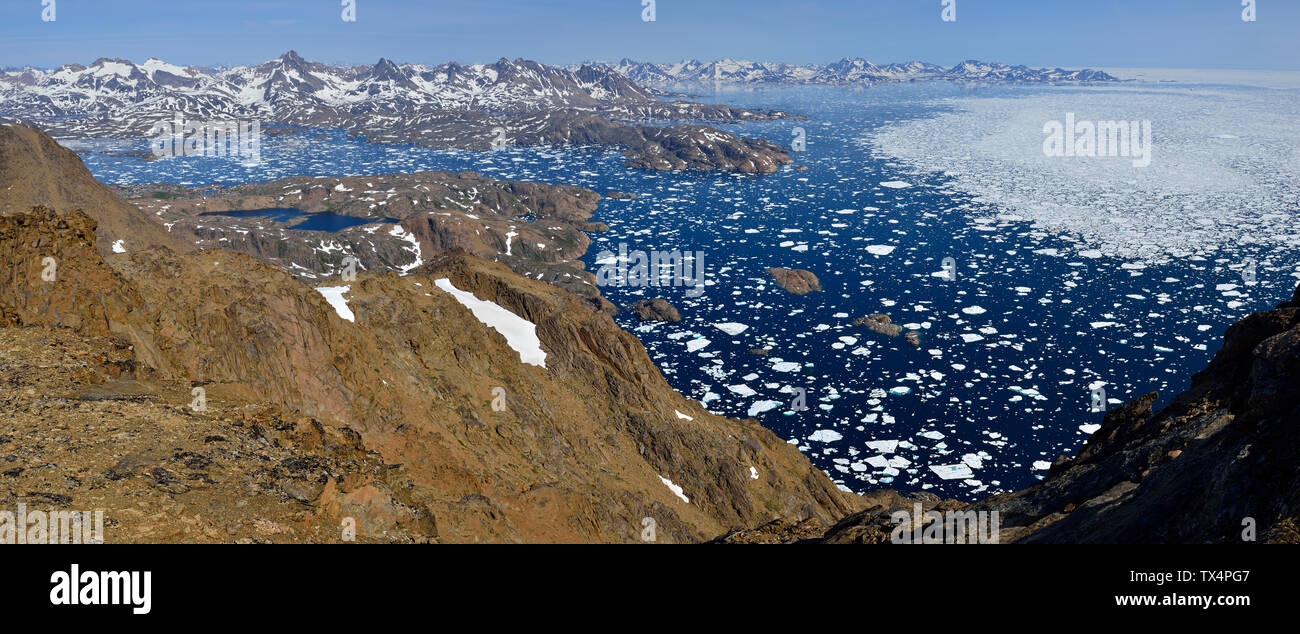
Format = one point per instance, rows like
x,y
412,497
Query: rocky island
x,y
655,310
795,281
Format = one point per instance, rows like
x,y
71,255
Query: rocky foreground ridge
x,y
106,357
407,413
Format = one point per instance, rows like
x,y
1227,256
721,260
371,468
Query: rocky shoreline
x,y
795,281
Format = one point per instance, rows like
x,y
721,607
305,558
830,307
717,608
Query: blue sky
x,y
1067,33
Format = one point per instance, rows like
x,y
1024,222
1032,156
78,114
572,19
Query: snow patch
x,y
520,334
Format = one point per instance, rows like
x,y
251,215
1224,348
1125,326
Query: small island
x,y
796,281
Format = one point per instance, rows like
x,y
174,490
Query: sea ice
x,y
732,328
825,435
952,471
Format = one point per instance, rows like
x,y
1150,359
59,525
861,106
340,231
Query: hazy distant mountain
x,y
844,72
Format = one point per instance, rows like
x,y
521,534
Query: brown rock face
x,y
655,310
677,146
87,428
36,171
776,532
795,281
474,445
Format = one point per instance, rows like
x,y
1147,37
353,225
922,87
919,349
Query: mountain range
x,y
476,107
847,71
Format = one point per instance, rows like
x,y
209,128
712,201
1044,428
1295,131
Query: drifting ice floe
x,y
952,471
825,435
785,366
732,328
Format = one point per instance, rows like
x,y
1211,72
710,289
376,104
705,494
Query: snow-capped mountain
x,y
292,90
452,105
844,72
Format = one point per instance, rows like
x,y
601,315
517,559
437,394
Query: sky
x,y
1064,33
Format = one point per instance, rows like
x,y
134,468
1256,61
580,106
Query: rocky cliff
x,y
36,171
